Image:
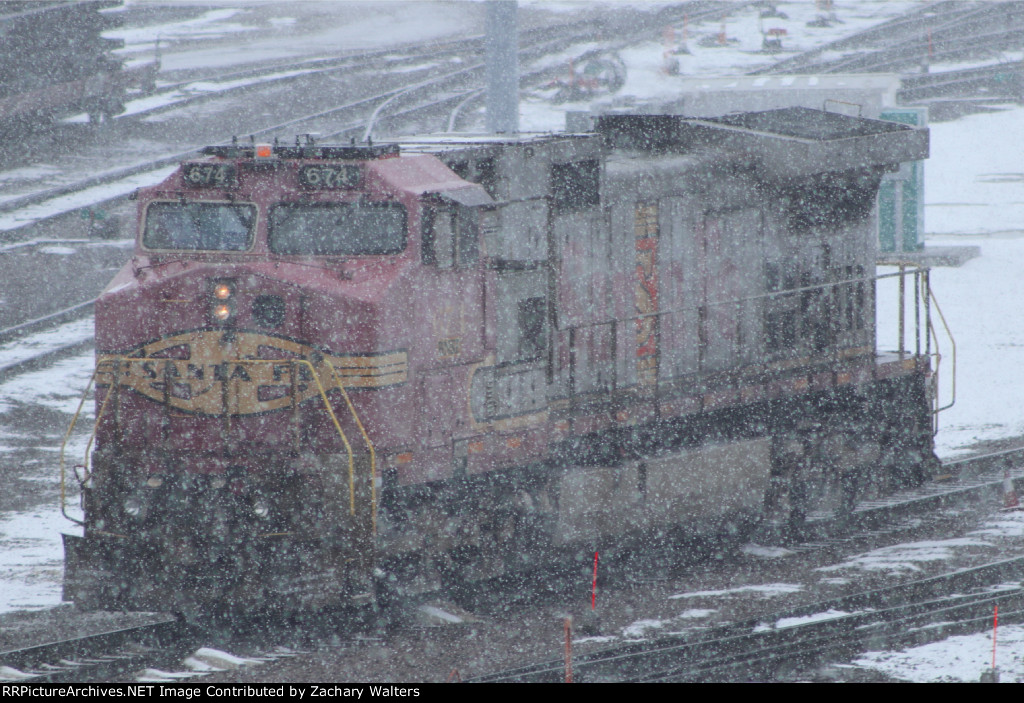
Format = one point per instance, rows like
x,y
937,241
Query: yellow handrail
x,y
300,362
95,429
67,436
341,433
366,438
952,345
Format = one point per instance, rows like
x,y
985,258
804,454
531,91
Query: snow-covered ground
x,y
975,195
31,554
956,659
266,31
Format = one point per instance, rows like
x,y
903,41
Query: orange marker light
x,y
222,291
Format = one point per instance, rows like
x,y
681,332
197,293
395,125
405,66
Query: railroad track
x,y
452,91
937,33
220,85
444,91
164,650
38,343
107,656
534,42
977,478
799,639
931,33
759,648
272,74
1003,80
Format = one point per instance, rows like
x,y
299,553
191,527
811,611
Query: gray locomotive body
x,y
683,319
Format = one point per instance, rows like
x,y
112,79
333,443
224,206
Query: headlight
x,y
260,509
221,301
222,312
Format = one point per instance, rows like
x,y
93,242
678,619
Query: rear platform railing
x,y
932,300
923,302
112,366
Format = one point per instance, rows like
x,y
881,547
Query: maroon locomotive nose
x,y
336,374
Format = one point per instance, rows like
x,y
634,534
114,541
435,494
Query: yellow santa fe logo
x,y
240,373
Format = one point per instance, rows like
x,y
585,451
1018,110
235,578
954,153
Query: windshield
x,y
199,226
337,229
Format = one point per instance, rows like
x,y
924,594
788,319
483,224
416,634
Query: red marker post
x,y
992,675
995,629
568,650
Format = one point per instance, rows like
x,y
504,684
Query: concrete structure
x,y
857,95
502,46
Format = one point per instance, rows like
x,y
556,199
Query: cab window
x,y
450,237
199,226
439,237
337,229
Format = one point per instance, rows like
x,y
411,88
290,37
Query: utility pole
x,y
502,46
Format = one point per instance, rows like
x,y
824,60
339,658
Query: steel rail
x,y
46,322
101,656
364,61
119,173
333,63
802,647
526,80
943,14
937,33
113,175
38,326
916,53
413,52
886,614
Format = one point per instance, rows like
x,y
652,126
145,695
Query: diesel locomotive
x,y
327,370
